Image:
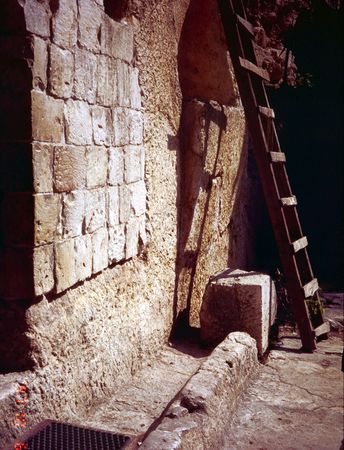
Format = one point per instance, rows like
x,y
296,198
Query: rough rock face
x,y
99,193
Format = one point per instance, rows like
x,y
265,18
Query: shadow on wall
x,y
16,200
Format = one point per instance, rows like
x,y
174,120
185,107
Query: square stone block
x,y
236,300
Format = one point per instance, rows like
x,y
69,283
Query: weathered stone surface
x,y
113,206
42,166
124,203
100,250
47,118
131,238
97,166
65,267
73,213
61,72
47,212
106,81
135,91
64,24
83,257
138,197
116,243
37,17
43,269
116,166
123,84
90,16
121,126
40,63
69,168
102,125
133,163
78,122
95,209
117,39
135,127
238,301
85,80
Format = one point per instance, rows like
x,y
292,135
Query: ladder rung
x,y
259,71
247,26
289,201
310,288
277,157
299,244
267,112
324,328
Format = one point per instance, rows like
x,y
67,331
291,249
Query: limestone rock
x,y
42,165
116,166
116,243
83,257
65,268
107,81
113,206
64,24
43,269
97,166
69,168
47,212
133,163
73,212
47,118
85,80
90,17
40,63
117,39
102,125
78,122
95,208
100,250
61,73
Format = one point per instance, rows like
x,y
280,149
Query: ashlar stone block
x,y
107,81
238,301
78,122
117,39
132,229
40,63
95,209
123,84
86,76
47,209
121,126
47,118
65,265
73,212
69,168
138,197
42,166
83,257
116,166
133,163
113,206
90,18
64,24
135,127
124,203
43,269
61,73
135,91
100,249
102,125
37,17
97,166
116,243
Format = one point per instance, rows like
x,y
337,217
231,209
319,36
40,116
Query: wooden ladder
x,y
301,285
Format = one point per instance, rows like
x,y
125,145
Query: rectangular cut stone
x,y
131,238
97,166
85,80
238,301
40,63
69,168
133,163
90,17
37,17
113,206
43,269
78,122
73,212
123,84
95,209
107,81
102,125
100,249
42,166
135,127
61,72
138,197
47,118
116,243
47,212
65,265
117,39
124,203
135,91
83,257
116,166
64,24
120,126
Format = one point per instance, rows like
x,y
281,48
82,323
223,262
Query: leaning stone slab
x,y
238,301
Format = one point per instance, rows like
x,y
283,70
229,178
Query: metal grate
x,y
62,436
